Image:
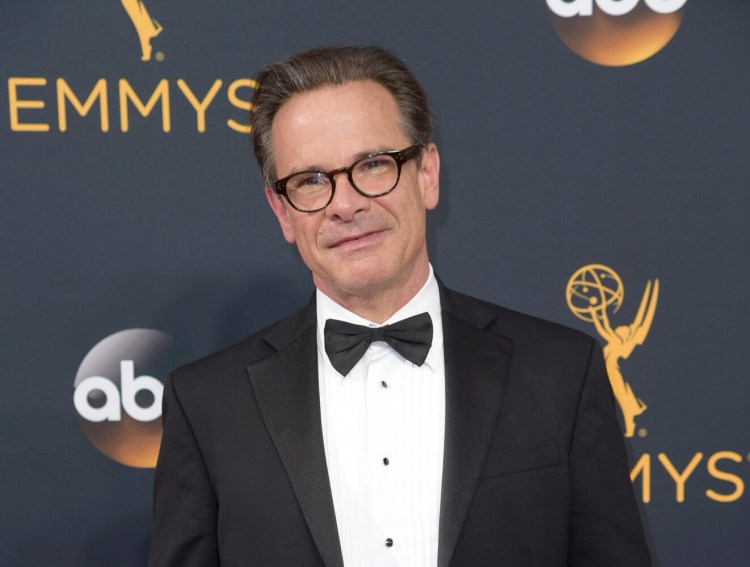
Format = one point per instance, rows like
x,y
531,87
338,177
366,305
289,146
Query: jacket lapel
x,y
286,390
476,370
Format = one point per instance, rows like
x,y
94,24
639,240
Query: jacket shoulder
x,y
232,360
517,326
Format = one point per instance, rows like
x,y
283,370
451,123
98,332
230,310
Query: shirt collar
x,y
426,299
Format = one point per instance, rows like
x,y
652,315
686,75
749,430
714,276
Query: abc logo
x,y
616,32
118,393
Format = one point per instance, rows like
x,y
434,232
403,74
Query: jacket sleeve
x,y
605,525
185,505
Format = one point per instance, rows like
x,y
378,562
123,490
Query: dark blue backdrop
x,y
550,163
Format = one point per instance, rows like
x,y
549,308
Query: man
x,y
464,434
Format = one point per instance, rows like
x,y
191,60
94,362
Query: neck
x,y
378,302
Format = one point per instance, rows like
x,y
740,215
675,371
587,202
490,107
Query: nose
x,y
347,201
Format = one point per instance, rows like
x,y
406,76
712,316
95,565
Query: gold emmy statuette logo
x,y
592,293
146,27
616,33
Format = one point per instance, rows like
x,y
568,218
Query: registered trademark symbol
x,y
159,56
642,432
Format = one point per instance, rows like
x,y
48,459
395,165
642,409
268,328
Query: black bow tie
x,y
346,343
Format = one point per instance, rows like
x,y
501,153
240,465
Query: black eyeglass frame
x,y
399,156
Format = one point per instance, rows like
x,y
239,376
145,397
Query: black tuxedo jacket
x,y
534,474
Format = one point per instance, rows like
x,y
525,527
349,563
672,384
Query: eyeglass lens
x,y
373,176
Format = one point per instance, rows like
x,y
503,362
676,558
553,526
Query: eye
x,y
308,180
377,162
375,165
313,180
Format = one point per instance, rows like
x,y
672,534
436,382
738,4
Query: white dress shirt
x,y
383,431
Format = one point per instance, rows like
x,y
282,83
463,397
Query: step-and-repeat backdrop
x,y
596,172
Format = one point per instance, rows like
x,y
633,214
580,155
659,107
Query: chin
x,y
360,279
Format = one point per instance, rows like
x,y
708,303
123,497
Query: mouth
x,y
356,240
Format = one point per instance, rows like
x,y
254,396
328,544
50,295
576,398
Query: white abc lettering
x,y
131,386
616,7
110,411
665,6
568,9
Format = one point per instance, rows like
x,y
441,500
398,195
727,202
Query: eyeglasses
x,y
371,176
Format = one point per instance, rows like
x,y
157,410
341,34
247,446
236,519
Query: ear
x,y
429,176
281,210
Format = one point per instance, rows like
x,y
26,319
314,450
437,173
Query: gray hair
x,y
321,67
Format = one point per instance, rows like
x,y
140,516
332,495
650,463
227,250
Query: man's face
x,y
357,246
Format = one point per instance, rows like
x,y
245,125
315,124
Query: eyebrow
x,y
355,158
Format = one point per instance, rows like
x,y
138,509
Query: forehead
x,y
334,123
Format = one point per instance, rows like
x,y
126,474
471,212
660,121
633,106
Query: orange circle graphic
x,y
118,391
617,41
129,442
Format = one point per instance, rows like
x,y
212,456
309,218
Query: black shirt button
x,y
386,462
383,384
389,542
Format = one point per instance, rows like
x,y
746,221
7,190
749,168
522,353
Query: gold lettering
x,y
14,104
161,92
723,475
680,479
643,466
64,92
200,106
240,103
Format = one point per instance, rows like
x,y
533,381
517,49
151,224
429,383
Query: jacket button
x,y
389,542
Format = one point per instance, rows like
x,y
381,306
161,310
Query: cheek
x,y
304,234
416,214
